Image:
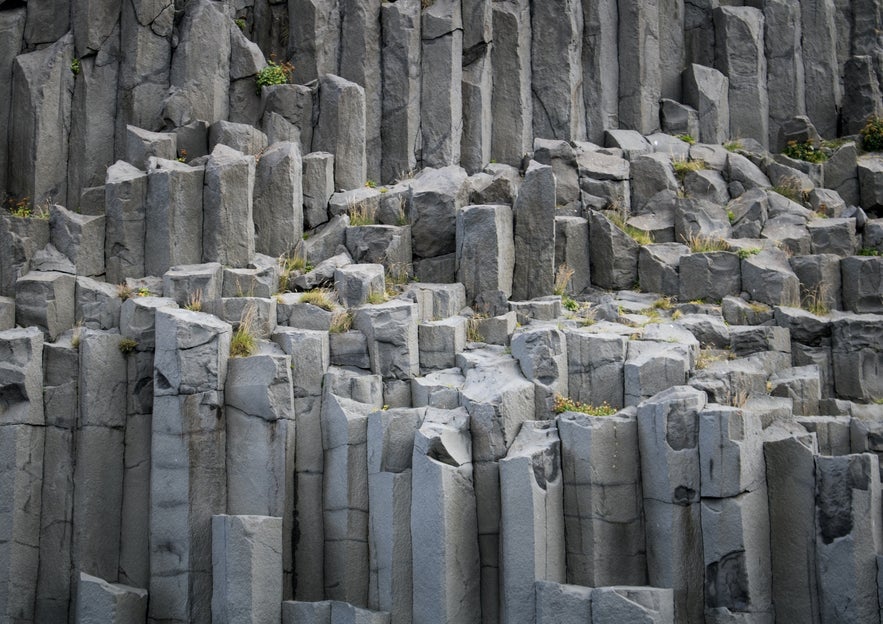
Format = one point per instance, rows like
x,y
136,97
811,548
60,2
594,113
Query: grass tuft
x,y
127,345
562,279
703,244
320,297
243,343
341,322
563,404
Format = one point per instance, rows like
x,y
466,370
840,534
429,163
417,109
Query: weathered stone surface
x,y
785,68
100,601
142,145
640,80
712,275
278,200
125,205
511,58
391,330
613,253
46,300
341,129
227,206
437,196
823,92
534,213
707,90
856,345
862,278
191,283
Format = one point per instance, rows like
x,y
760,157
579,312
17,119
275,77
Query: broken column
x,y
602,499
640,78
534,213
125,195
227,208
341,130
441,120
485,250
477,85
443,521
532,527
173,229
22,439
278,200
188,483
512,82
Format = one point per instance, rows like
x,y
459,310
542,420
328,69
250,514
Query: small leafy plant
x,y
733,146
872,134
240,22
748,252
867,251
127,345
639,236
274,74
563,404
687,138
75,67
804,151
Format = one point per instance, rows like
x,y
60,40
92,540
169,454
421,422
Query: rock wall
x,y
575,361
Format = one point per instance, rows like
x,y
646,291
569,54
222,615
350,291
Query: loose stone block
x,y
613,253
485,250
278,200
707,90
317,186
862,284
191,352
632,604
357,283
391,330
341,130
174,218
100,601
602,499
46,300
187,283
819,277
445,555
227,207
138,319
142,145
388,245
768,278
246,569
440,341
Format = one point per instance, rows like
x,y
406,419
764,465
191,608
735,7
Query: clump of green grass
x,y
639,236
243,343
563,404
867,251
703,244
194,302
733,146
872,134
127,345
376,297
731,216
288,264
569,303
687,138
748,252
789,187
320,297
682,167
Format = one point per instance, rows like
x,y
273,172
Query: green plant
x,y
75,67
243,343
371,184
143,291
240,22
683,166
320,297
747,252
804,151
867,251
361,214
814,301
731,216
569,303
639,236
562,278
563,404
182,155
789,187
288,264
375,297
127,345
872,134
703,244
23,208
341,321
687,138
273,74
733,146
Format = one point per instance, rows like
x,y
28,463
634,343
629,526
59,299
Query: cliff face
x,y
482,311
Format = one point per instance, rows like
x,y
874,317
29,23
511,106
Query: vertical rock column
x,y
341,130
259,408
668,439
314,38
603,522
600,66
848,536
227,208
60,405
360,62
174,226
441,106
12,25
822,71
475,146
790,475
532,527
739,54
125,194
640,78
42,88
535,234
246,569
400,122
390,451
101,431
557,75
485,250
512,104
672,44
498,399
784,53
443,525
22,441
309,350
345,445
278,200
188,481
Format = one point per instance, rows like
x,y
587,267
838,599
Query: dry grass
x,y
243,343
702,244
361,215
639,236
814,301
562,279
682,167
341,322
194,301
320,297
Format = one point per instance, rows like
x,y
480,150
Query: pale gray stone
x,y
46,300
511,58
142,145
100,601
341,129
126,208
707,90
227,207
485,250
